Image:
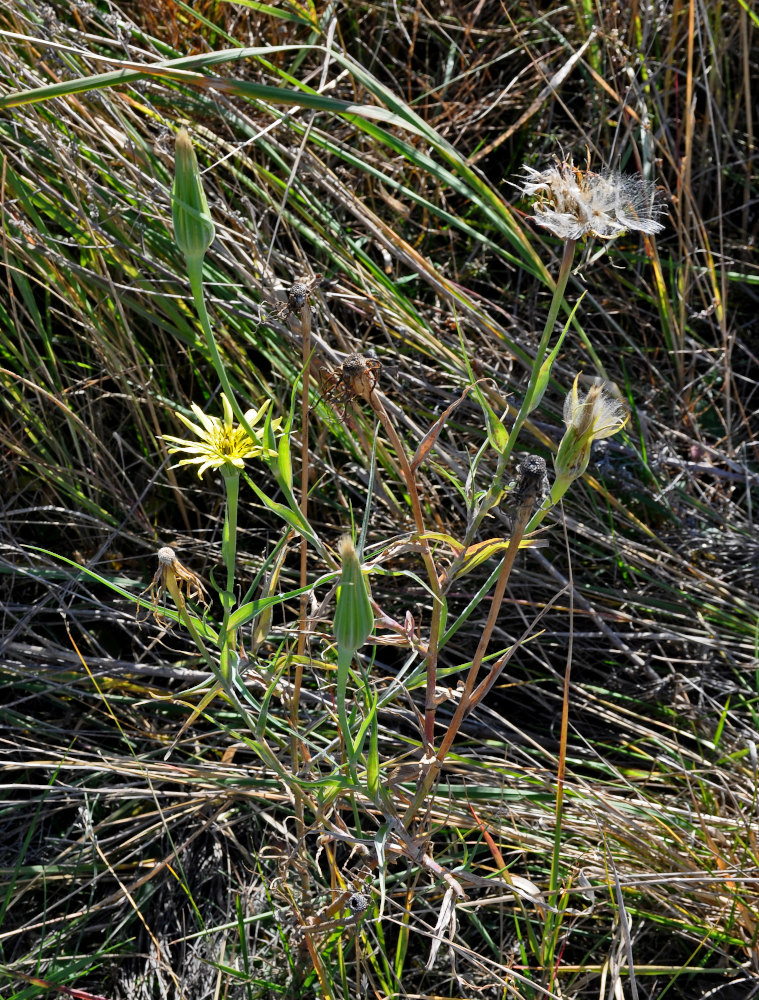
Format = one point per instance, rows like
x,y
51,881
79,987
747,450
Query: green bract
x,y
193,227
354,618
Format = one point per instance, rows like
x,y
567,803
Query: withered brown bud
x,y
532,483
359,375
358,903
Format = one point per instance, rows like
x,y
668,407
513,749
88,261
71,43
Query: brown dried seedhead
x,y
173,577
356,378
298,296
531,485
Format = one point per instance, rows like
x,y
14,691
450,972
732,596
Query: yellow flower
x,y
596,415
222,444
573,203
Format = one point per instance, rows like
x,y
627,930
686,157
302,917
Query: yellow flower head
x,y
573,203
222,444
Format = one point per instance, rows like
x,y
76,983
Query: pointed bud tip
x,y
346,549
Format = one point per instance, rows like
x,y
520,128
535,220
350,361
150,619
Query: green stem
x,y
344,658
229,536
231,480
195,272
558,490
229,556
187,620
553,311
493,495
553,918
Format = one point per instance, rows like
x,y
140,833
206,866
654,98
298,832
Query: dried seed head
x,y
532,483
354,365
356,378
574,203
297,296
359,375
358,903
174,577
166,555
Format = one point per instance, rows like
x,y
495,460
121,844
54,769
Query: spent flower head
x,y
573,203
531,485
173,576
222,444
596,415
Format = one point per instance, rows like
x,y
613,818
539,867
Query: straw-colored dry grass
x,y
378,145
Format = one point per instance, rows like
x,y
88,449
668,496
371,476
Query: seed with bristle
x,y
596,415
574,203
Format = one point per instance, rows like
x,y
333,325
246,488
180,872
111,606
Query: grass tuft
x,y
536,773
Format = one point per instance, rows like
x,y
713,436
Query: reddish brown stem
x,y
437,598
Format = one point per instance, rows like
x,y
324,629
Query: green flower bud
x,y
354,618
193,227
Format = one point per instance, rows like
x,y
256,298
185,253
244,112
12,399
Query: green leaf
x,y
291,515
372,764
265,8
358,743
497,433
247,612
264,713
478,553
541,383
380,839
284,461
202,627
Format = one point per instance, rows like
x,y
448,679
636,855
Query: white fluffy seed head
x,y
574,203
